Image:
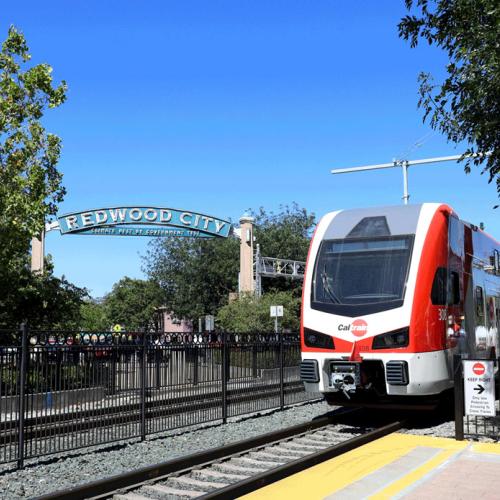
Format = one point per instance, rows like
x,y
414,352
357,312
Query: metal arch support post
x,y
38,248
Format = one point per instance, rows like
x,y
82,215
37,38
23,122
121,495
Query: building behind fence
x,y
67,390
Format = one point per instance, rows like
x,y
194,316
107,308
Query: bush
x,y
252,314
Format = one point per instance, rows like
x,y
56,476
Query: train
x,y
390,295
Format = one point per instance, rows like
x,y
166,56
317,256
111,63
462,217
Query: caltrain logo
x,y
359,328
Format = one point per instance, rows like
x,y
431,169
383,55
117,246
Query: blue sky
x,y
222,106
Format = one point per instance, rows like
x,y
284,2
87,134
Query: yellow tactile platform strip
x,y
390,467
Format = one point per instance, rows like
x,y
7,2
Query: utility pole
x,y
404,164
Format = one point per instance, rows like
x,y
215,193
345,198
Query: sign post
x,y
479,388
276,312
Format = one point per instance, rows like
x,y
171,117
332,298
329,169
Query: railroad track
x,y
236,469
63,423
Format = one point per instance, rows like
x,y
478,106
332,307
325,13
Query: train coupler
x,y
345,377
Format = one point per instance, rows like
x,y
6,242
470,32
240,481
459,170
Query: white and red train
x,y
390,295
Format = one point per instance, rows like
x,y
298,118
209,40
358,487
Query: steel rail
x,y
276,474
105,488
51,425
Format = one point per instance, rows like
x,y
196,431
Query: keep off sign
x,y
479,386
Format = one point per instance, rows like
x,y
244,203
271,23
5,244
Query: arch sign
x,y
143,221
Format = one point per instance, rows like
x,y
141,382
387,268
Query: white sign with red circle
x,y
478,368
479,387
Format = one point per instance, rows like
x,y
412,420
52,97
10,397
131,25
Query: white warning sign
x,y
479,388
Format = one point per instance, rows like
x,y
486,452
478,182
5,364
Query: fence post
x,y
158,355
459,397
22,389
254,359
282,373
143,385
224,376
114,372
195,364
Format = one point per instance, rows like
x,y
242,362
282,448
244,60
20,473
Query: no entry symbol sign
x,y
478,369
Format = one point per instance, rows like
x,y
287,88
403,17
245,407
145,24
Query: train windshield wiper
x,y
327,288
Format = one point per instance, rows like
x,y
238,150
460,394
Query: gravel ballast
x,y
62,471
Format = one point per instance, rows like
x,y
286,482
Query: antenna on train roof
x,y
404,164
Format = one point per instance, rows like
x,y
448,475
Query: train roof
x,y
376,221
390,220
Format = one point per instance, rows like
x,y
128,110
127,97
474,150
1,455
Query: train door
x,y
455,339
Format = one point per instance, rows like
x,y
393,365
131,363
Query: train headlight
x,y
317,339
390,340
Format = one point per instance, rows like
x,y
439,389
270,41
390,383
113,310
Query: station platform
x,y
398,466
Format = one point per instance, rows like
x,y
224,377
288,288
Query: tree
x,y
43,300
94,316
197,275
133,303
252,314
286,235
30,184
466,106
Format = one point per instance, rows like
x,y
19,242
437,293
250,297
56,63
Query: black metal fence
x,y
66,390
474,426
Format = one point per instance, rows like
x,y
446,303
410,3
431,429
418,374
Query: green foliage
x,y
30,188
252,314
285,235
30,184
94,316
197,275
42,300
132,303
466,106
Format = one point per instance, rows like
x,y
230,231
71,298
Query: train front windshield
x,y
357,276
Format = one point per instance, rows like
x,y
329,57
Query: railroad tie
x,y
223,476
259,464
267,455
292,452
130,496
189,481
325,443
303,448
223,466
311,443
338,436
154,489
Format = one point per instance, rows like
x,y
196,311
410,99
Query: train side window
x,y
438,292
479,302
